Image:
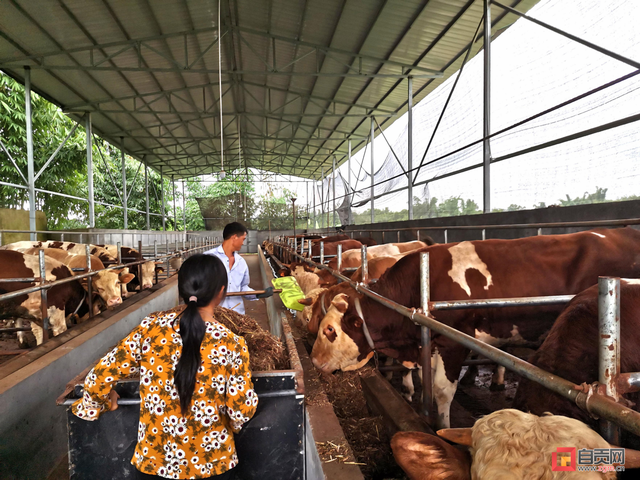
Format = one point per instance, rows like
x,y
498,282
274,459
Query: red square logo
x,y
563,460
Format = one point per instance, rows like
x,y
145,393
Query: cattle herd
x,y
68,303
348,328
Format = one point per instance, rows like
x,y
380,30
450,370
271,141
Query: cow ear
x,y
306,301
126,278
118,270
341,302
159,263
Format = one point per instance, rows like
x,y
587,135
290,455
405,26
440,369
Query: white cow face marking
x,y
107,285
148,273
443,390
334,349
463,258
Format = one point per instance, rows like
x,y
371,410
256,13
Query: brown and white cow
x,y
571,351
332,247
70,247
130,255
353,258
60,298
105,283
506,444
527,267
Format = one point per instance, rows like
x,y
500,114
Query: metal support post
x,y
146,194
410,146
365,264
124,187
175,217
314,209
87,250
92,217
446,237
339,267
425,337
166,252
43,297
164,225
373,215
484,234
486,128
609,348
321,253
184,213
334,191
30,164
350,214
309,247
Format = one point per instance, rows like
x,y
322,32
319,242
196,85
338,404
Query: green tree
x,y
599,196
50,127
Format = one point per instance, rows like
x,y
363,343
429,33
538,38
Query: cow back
x,y
570,351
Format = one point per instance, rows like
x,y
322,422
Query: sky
x,y
532,69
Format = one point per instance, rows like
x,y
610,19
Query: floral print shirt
x,y
170,445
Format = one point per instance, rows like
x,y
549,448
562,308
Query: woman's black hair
x,y
200,276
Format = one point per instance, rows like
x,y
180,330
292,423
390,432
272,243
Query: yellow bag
x,y
291,292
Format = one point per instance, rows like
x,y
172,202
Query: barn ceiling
x,y
298,78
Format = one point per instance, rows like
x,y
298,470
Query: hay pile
x,y
266,351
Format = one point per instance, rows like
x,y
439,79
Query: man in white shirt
x,y
233,237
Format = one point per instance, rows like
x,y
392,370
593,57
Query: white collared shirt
x,y
238,279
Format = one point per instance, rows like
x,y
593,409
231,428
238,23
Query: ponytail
x,y
200,280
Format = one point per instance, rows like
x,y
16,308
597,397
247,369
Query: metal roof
x,y
298,77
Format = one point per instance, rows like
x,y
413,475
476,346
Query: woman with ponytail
x,y
195,382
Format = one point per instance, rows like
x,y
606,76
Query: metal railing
x,y
195,246
598,402
518,226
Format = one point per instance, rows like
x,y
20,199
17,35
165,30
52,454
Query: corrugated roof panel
x,y
159,88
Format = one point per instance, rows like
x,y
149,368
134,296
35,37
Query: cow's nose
x,y
114,301
147,285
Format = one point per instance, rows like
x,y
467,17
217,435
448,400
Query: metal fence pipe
x,y
500,302
445,236
628,382
592,223
309,244
43,296
87,250
609,346
595,403
321,253
425,339
364,264
484,234
339,256
20,280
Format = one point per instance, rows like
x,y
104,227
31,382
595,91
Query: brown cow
x,y
130,255
526,267
68,296
332,248
70,247
105,283
571,351
334,238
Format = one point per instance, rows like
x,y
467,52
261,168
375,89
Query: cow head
x,y
107,285
148,273
340,344
308,303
